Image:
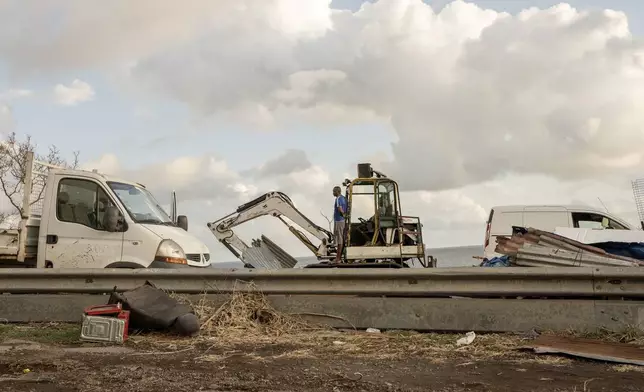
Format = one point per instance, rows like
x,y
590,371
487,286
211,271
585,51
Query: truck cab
x,y
91,220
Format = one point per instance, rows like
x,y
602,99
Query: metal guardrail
x,y
472,282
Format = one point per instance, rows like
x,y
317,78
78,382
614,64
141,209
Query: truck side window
x,y
82,202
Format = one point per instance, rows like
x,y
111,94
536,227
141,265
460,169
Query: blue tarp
x,y
503,261
634,250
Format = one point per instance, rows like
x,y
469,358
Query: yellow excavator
x,y
377,235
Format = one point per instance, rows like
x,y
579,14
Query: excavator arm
x,y
275,204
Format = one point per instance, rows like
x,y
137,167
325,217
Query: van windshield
x,y
140,204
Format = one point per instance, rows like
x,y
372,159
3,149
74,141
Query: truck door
x,y
76,237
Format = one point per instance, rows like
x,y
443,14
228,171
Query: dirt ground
x,y
47,358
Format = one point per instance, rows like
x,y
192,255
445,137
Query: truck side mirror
x,y
182,222
113,219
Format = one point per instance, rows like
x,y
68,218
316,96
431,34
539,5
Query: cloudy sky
x,y
467,104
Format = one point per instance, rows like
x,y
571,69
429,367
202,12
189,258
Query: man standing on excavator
x,y
339,213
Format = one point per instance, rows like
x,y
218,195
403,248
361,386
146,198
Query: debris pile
x,y
144,308
536,248
246,315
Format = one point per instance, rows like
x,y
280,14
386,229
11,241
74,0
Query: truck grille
x,y
196,257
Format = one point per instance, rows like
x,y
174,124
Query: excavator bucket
x,y
268,255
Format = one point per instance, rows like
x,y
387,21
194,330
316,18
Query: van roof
x,y
520,207
568,207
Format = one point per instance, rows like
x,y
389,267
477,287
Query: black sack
x,y
152,309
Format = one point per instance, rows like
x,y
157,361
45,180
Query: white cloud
x,y
315,178
289,161
452,209
107,164
472,94
73,94
12,94
93,33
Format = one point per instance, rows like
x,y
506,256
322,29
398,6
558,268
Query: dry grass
x,y
248,319
629,334
627,368
245,318
540,359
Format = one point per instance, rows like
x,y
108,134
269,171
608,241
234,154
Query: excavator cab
x,y
373,209
377,232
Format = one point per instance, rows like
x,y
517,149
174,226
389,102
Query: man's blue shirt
x,y
340,201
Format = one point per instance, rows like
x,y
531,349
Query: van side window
x,y
82,202
614,225
588,220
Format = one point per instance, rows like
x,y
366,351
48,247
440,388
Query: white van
x,y
547,218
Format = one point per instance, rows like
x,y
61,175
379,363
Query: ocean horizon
x,y
456,256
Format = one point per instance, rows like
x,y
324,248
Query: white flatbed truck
x,y
84,219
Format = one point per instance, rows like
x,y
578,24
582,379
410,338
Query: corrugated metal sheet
x,y
268,255
261,258
537,248
285,260
588,348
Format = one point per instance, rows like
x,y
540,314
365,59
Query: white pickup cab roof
x,y
94,174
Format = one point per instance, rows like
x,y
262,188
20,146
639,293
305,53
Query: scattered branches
x,y
246,315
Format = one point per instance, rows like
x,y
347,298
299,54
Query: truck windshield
x,y
140,204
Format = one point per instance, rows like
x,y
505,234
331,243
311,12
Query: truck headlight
x,y
170,252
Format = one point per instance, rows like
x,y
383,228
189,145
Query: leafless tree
x,y
13,153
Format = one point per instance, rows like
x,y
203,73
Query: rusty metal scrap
x,y
537,248
589,348
265,254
